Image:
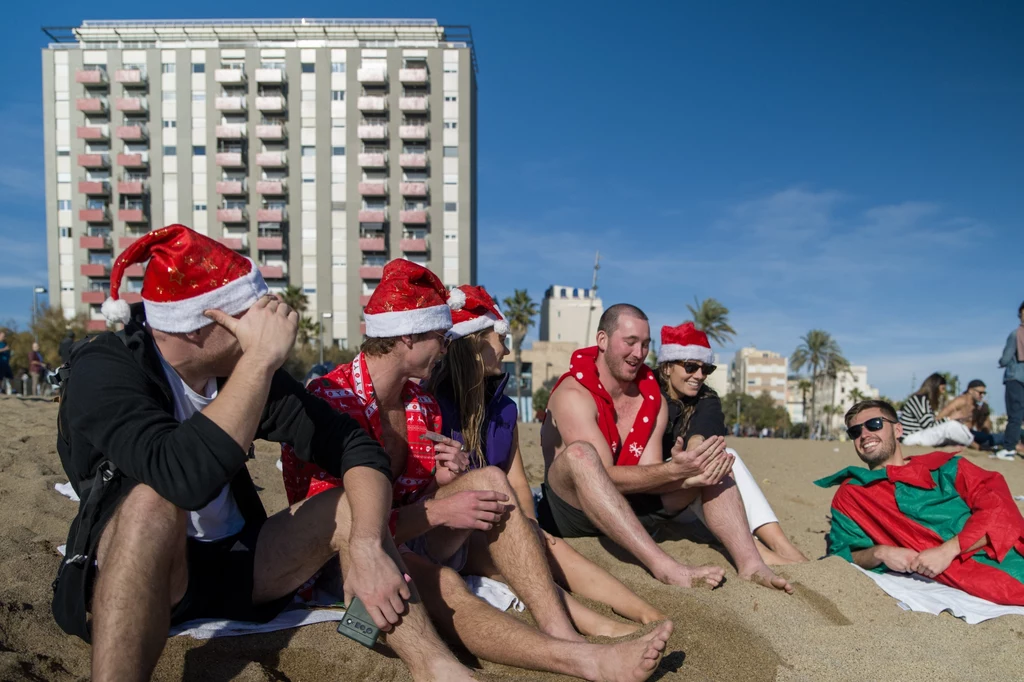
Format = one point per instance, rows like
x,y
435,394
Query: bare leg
x,y
142,574
578,476
723,510
501,638
518,555
771,534
295,542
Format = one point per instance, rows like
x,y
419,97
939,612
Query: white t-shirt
x,y
221,517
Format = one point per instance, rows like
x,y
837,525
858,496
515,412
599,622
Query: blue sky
x,y
856,169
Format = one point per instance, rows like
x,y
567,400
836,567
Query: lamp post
x,y
35,292
323,316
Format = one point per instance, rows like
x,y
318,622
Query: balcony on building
x,y
373,132
272,159
131,187
232,215
133,160
270,76
412,132
272,187
373,159
371,244
93,215
230,131
232,187
94,160
413,104
94,188
95,297
272,271
240,243
132,105
371,271
91,76
270,243
93,133
132,215
94,243
230,104
229,76
413,75
372,75
271,215
133,133
230,159
374,216
373,103
270,131
413,217
412,160
271,103
373,188
413,245
95,269
91,105
413,189
135,270
131,78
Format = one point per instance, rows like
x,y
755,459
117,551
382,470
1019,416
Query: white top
x,y
221,517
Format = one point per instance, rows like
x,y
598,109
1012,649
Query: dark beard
x,y
886,449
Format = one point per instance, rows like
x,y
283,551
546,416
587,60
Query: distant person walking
x,y
1013,380
5,364
36,368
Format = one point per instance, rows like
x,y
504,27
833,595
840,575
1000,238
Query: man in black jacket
x,y
154,432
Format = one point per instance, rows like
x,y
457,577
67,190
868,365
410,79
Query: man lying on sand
x,y
605,473
154,431
938,514
406,320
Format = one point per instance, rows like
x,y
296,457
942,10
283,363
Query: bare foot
x,y
766,578
681,575
446,670
632,661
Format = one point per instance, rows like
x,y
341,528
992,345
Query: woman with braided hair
x,y
695,413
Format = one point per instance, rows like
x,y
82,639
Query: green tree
x,y
540,399
805,385
835,366
50,328
520,310
856,395
813,352
295,298
308,331
712,318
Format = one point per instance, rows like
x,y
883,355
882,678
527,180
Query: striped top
x,y
916,414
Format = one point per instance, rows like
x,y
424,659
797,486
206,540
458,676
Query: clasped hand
x,y
705,465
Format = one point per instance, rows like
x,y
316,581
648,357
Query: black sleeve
x,y
708,419
333,441
113,405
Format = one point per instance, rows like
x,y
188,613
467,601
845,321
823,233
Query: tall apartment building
x,y
755,371
320,148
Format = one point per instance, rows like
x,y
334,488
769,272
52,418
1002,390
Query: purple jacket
x,y
501,416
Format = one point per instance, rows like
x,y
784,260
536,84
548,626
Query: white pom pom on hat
x,y
116,310
456,299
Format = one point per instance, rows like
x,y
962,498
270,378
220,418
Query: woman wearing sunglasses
x,y
469,387
695,413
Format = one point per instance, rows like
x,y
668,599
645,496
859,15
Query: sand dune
x,y
838,625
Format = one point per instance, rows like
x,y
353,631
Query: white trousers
x,y
759,512
943,433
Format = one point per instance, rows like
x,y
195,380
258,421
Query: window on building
x,y
199,207
309,68
198,150
63,152
168,95
450,206
451,98
170,123
198,96
309,150
337,67
64,205
167,68
338,95
451,125
337,151
199,68
170,150
65,232
451,152
451,68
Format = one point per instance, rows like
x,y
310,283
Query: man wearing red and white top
x,y
406,320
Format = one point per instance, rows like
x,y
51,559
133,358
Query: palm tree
x,y
520,311
835,364
804,385
831,410
308,330
813,352
295,299
712,318
856,395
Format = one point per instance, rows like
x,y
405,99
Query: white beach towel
x,y
916,593
66,490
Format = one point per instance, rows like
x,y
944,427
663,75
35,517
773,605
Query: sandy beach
x,y
837,626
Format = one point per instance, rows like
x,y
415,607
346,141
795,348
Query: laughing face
x,y
685,383
625,349
876,447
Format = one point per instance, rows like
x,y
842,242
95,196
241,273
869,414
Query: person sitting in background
x,y
964,409
469,387
937,515
685,361
1013,380
917,416
981,427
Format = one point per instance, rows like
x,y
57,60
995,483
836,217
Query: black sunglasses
x,y
873,424
692,367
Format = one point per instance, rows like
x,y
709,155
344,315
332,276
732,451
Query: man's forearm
x,y
643,478
239,404
868,558
369,499
413,521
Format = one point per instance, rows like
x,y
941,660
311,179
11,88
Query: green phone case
x,y
358,625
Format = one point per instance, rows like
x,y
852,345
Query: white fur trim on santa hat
x,y
673,352
456,299
477,324
402,322
116,311
187,315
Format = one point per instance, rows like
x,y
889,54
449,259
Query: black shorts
x,y
561,519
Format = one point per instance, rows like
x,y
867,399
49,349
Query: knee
x,y
492,478
147,510
581,455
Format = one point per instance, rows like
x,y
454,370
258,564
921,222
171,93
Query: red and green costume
x,y
922,504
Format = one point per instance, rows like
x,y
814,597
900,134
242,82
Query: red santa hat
x,y
187,274
409,300
479,312
684,342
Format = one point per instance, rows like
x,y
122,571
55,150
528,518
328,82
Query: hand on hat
x,y
266,331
